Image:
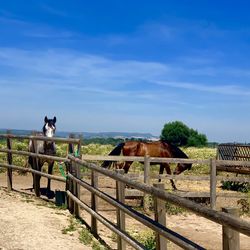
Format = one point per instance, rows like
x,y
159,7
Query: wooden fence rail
x,y
169,234
40,138
163,160
42,156
141,159
49,176
107,223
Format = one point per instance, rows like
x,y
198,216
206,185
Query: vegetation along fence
x,y
230,224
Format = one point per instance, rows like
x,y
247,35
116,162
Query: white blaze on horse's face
x,y
50,130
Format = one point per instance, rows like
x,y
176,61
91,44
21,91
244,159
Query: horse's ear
x,y
54,120
45,119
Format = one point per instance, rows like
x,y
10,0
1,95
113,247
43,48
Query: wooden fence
x,y
159,195
213,178
74,183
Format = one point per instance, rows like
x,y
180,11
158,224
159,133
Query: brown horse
x,y
152,149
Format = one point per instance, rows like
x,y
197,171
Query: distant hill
x,y
88,135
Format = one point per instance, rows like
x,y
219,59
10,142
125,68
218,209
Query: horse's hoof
x,y
50,194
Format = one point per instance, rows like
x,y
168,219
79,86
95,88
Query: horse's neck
x,y
49,147
43,147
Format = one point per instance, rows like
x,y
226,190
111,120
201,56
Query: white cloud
x,y
67,69
222,89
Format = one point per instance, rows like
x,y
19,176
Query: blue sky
x,y
126,65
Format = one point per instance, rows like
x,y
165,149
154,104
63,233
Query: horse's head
x,y
182,167
49,127
178,153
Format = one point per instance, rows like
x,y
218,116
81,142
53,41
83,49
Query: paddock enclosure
x,y
78,180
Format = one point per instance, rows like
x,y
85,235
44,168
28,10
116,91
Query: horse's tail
x,y
116,151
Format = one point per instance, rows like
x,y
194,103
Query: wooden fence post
x,y
160,216
77,175
79,145
120,196
76,187
231,238
94,202
9,158
69,182
146,181
213,182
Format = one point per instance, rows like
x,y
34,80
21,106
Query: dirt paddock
x,y
26,223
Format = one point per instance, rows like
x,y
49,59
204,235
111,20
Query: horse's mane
x,y
177,152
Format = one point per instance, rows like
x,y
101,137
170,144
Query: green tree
x,y
181,135
176,132
196,139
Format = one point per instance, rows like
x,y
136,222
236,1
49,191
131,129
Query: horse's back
x,y
130,148
153,149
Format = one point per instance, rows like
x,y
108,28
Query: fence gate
x,y
234,152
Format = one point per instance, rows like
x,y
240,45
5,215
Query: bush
x,y
244,206
147,238
195,139
180,134
172,209
243,187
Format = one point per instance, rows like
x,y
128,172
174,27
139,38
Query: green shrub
x,y
171,209
85,237
147,238
243,187
244,206
71,227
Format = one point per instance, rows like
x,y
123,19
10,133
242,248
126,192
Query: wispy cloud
x,y
64,68
7,20
54,11
49,33
38,30
222,89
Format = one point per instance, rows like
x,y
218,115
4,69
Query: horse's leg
x,y
127,166
36,165
30,162
50,168
37,178
168,170
161,171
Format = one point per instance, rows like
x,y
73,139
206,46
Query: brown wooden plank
x,y
9,159
230,237
41,138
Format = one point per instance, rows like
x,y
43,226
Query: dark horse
x,y
153,149
43,147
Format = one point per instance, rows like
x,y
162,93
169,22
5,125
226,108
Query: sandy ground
x,y
30,223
